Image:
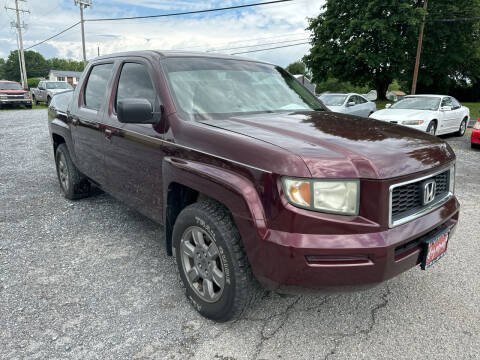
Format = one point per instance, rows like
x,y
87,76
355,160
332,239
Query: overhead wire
x,y
164,15
271,48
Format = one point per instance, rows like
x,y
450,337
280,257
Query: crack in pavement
x,y
339,337
263,337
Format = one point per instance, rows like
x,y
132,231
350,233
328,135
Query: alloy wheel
x,y
202,264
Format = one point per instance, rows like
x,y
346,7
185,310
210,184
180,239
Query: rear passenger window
x,y
135,83
97,85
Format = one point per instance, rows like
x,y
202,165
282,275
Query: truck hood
x,y
57,91
13,91
344,146
402,114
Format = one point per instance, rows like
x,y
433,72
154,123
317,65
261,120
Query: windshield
x,y
205,88
417,103
333,100
59,85
10,86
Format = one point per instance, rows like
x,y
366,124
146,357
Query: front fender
x,y
234,191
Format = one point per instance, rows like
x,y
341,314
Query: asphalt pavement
x,y
90,279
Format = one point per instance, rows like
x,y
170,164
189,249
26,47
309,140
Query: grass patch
x,y
21,107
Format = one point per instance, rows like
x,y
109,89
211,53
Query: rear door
x,y
133,152
85,119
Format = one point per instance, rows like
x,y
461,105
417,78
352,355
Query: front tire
x,y
212,263
34,99
49,99
432,128
73,183
462,129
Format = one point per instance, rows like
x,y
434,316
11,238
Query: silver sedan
x,y
354,104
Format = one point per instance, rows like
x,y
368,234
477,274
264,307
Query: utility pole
x,y
18,25
83,4
419,51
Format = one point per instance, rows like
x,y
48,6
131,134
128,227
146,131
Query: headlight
x,y
413,122
26,95
477,125
330,196
452,179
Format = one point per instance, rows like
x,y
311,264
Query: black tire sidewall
x,y
61,151
193,216
430,125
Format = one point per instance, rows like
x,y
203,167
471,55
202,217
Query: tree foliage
x,y
375,41
297,68
34,62
65,64
36,65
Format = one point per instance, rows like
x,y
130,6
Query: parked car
x,y
12,93
475,137
434,114
47,89
354,104
251,176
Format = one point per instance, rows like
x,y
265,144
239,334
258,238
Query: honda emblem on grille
x,y
429,190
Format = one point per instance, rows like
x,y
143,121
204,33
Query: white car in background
x,y
434,114
353,104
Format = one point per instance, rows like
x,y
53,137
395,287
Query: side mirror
x,y
135,111
351,103
41,88
446,108
388,106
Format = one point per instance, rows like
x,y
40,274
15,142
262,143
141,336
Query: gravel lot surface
x,y
91,280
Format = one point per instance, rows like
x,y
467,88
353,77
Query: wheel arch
x,y
187,182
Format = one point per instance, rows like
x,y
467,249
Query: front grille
x,y
15,96
408,199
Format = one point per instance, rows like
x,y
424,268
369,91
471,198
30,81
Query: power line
x,y
53,36
244,40
249,46
276,47
162,15
191,12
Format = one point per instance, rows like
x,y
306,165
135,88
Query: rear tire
x,y
49,99
73,183
211,261
462,129
475,146
432,128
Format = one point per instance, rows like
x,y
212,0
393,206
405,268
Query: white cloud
x,y
215,30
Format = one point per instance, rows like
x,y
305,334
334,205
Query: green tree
x,y
337,86
297,68
65,64
2,68
35,64
374,42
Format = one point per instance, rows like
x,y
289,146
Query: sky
x,y
216,31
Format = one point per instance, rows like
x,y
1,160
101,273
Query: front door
x,y
449,121
86,126
133,152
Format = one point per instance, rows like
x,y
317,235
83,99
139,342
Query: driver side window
x,y
456,104
135,83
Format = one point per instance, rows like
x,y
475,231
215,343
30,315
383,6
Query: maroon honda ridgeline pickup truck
x,y
251,176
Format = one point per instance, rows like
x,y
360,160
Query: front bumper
x,y
15,101
280,261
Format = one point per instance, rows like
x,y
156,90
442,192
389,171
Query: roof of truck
x,y
176,53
